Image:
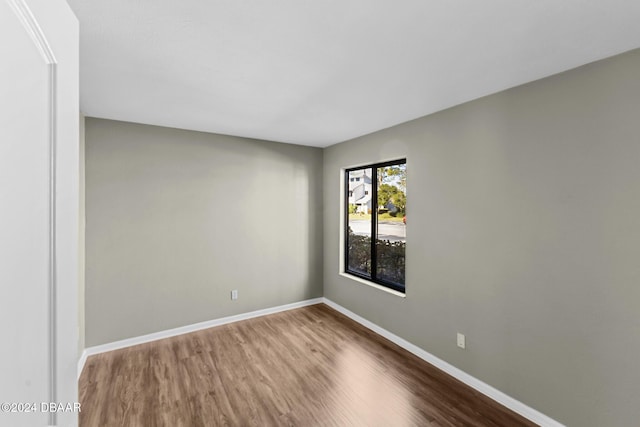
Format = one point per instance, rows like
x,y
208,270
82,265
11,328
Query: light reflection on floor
x,y
373,397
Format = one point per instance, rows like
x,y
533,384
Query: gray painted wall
x,y
523,232
81,236
177,219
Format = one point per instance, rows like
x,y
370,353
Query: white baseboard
x,y
82,361
484,388
89,351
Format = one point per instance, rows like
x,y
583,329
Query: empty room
x,y
418,213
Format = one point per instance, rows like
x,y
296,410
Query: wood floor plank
x,y
306,367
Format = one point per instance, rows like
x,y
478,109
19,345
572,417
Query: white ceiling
x,y
325,71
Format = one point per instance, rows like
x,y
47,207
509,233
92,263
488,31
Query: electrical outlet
x,y
461,340
234,294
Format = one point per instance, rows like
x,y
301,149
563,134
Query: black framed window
x,y
375,218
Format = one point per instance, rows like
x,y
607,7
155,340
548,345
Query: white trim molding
x,y
103,348
484,388
32,27
82,361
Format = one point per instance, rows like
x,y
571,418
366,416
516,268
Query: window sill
x,y
374,285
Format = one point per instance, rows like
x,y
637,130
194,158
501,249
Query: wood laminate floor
x,y
306,367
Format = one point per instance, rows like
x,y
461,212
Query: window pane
x,y
359,223
391,228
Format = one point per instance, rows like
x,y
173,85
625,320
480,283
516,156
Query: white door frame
x,y
51,23
31,26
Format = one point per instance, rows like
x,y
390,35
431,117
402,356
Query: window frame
x,y
374,225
